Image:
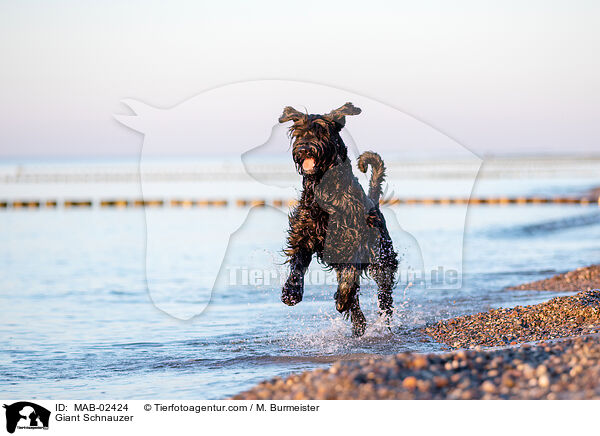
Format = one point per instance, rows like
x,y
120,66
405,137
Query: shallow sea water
x,y
78,321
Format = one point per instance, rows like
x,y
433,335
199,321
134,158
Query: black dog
x,y
335,218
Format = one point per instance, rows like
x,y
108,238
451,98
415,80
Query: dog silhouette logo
x,y
243,118
26,415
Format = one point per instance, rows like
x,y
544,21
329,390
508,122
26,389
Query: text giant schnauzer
x,y
335,218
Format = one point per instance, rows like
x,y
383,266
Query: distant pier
x,y
124,203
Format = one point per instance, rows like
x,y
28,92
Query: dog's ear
x,y
339,115
290,114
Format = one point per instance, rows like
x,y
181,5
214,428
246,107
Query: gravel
x,y
568,369
580,279
559,317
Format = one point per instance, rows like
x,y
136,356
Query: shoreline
x,y
549,350
564,369
580,279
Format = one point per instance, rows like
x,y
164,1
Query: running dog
x,y
334,218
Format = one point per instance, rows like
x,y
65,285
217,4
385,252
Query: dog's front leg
x,y
348,284
293,289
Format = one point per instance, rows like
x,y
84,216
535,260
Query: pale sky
x,y
499,77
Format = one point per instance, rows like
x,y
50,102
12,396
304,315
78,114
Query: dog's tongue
x,y
308,164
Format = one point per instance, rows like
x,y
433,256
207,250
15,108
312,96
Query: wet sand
x,y
565,366
580,279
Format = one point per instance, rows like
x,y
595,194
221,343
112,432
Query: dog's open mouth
x,y
308,165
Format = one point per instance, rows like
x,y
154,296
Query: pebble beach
x,y
559,317
549,350
567,369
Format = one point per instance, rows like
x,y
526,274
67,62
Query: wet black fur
x,y
334,218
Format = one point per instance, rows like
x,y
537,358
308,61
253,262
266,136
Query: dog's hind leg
x,y
359,322
383,271
293,289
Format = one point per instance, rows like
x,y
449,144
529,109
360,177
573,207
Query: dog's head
x,y
316,142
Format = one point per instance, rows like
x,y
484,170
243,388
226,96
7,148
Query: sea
x,y
184,302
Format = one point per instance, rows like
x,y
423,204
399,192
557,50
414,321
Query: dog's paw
x,y
292,291
291,298
343,300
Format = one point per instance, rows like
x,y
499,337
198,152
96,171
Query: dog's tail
x,y
372,159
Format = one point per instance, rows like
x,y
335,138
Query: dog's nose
x,y
302,153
